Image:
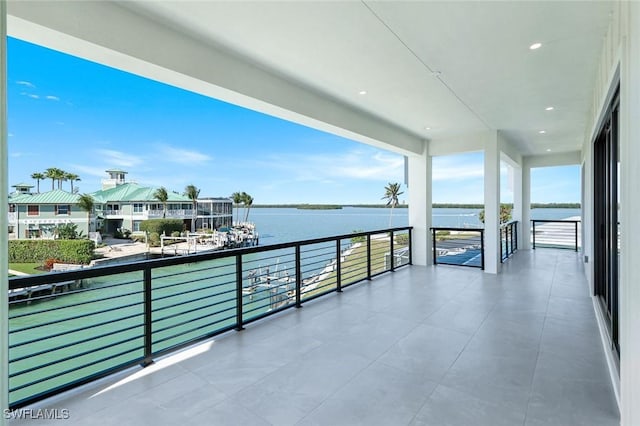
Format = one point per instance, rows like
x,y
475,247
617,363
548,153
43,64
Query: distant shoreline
x,y
306,206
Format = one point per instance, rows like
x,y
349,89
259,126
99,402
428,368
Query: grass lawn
x,y
27,268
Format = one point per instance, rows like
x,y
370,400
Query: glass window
x,y
136,225
63,209
12,208
33,210
138,207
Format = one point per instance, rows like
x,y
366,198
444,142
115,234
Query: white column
x,y
419,183
525,241
4,288
630,222
517,200
491,203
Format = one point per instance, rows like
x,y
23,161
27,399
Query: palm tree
x,y
248,201
85,202
71,177
162,195
54,174
391,193
193,192
237,198
38,177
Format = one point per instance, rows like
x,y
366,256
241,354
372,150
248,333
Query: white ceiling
x,y
489,78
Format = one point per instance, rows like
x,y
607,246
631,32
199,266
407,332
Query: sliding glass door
x,y
607,219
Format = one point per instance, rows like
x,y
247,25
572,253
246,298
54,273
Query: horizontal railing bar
x,y
75,330
208,296
88,302
190,320
169,296
55,376
208,277
97,271
191,271
173,336
199,308
74,356
79,342
103,311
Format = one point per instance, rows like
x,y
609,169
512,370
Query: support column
x,y
517,200
491,203
630,221
419,185
4,288
526,206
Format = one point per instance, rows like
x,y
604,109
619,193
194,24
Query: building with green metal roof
x,y
118,206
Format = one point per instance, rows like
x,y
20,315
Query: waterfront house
x,y
529,83
119,206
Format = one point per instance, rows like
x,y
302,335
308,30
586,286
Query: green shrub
x,y
175,234
162,226
68,231
154,239
67,251
358,239
402,239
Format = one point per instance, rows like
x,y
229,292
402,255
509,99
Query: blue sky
x,y
84,118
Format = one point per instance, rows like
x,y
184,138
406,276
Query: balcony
x,y
421,345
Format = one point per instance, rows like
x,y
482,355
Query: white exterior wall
x,y
620,61
419,183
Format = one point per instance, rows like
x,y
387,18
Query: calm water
x,y
279,225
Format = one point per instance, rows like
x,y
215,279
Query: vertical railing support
x,y
391,253
338,267
410,247
369,257
502,243
433,246
148,319
576,227
515,227
533,222
482,249
239,320
299,278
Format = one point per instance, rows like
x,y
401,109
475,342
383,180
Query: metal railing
x,y
555,234
70,328
508,239
458,246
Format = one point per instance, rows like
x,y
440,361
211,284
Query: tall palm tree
x,y
162,195
38,177
237,198
193,192
391,193
54,174
72,177
248,201
86,203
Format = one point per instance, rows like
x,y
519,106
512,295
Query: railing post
x,y
576,224
369,257
515,228
410,247
338,267
148,319
482,249
533,222
434,251
391,254
239,320
299,278
501,232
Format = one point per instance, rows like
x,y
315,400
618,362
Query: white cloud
x,y
457,168
88,170
52,98
117,158
30,95
10,134
26,83
183,156
361,164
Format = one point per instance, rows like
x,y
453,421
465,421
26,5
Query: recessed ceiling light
x,y
549,108
362,92
548,149
535,46
542,132
427,128
436,73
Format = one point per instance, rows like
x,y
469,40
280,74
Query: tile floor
x,y
421,346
